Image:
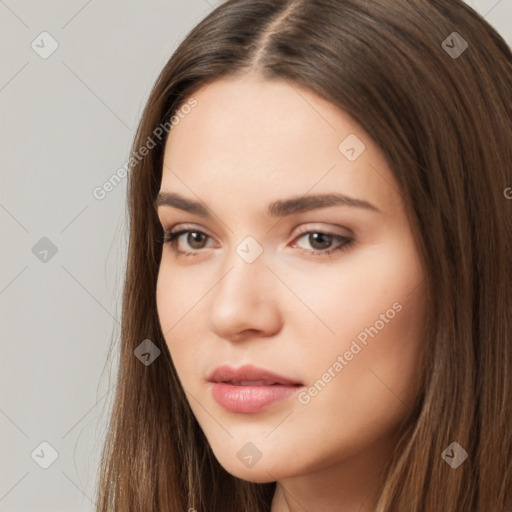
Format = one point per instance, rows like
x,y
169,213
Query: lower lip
x,y
248,399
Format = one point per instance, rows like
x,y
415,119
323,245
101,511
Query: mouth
x,y
254,383
249,375
249,389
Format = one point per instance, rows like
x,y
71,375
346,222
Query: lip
x,y
249,372
259,388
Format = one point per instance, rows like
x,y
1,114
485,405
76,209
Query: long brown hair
x,y
444,121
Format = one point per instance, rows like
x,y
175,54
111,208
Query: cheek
x,y
368,391
387,366
178,292
375,305
369,286
180,296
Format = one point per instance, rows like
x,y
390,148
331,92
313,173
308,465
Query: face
x,y
326,295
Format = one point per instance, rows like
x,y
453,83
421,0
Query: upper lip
x,y
249,372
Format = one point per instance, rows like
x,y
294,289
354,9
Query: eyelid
x,y
304,228
315,226
186,226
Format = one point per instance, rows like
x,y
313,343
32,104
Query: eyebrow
x,y
278,208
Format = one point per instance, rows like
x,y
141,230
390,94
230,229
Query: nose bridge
x,y
244,297
244,270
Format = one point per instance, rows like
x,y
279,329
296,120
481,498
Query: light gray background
x,y
66,125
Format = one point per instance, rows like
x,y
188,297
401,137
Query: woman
x,y
316,310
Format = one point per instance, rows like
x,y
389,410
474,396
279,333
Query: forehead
x,y
248,136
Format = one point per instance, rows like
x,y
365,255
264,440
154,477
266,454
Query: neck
x,y
351,485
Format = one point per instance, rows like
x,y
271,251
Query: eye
x,y
195,238
322,242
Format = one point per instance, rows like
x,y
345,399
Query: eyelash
x,y
171,237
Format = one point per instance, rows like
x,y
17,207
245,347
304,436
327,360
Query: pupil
x,y
191,237
313,238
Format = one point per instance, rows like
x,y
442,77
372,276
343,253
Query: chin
x,y
260,473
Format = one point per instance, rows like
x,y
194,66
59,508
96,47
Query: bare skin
x,y
296,309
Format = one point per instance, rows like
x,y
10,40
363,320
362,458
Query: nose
x,y
245,300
